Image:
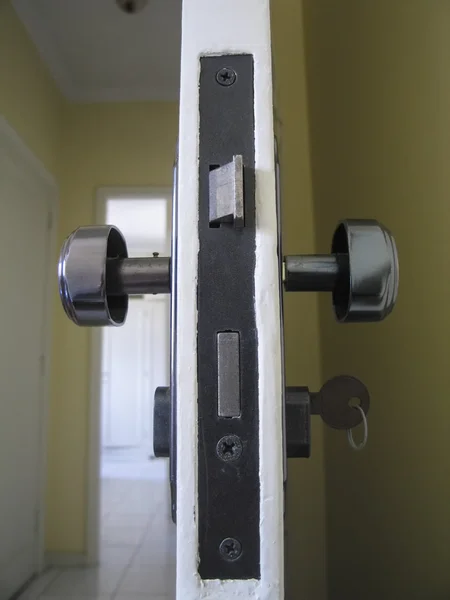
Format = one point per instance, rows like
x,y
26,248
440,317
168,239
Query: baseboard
x,y
66,559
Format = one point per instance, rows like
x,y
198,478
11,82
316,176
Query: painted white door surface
x,y
24,247
134,363
218,28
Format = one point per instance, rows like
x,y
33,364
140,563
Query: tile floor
x,y
132,464
137,545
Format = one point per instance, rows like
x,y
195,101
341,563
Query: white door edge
x,y
211,28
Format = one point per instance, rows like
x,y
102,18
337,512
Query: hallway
x,y
137,547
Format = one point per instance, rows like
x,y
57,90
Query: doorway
x,y
135,357
133,501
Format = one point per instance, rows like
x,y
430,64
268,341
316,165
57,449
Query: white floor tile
x,y
141,468
102,597
143,597
137,550
127,520
159,530
148,558
116,555
122,535
86,582
130,506
156,580
163,552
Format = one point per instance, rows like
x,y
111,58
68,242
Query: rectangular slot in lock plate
x,y
228,375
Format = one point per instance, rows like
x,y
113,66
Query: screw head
x,y
229,448
230,549
226,76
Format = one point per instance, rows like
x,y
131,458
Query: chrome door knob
x,y
96,276
361,273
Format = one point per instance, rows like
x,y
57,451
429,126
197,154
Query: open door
x,y
227,422
230,442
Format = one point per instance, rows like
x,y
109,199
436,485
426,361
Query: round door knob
x,y
96,276
361,272
369,290
82,276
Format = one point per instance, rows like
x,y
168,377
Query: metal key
x,y
332,402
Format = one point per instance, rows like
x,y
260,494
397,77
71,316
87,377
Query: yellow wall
x,y
305,523
103,145
379,98
83,147
29,98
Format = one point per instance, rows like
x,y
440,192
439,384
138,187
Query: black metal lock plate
x,y
228,473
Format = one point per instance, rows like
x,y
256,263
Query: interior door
x,y
229,516
134,363
24,247
123,379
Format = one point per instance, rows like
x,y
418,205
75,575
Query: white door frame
x,y
14,145
94,451
223,27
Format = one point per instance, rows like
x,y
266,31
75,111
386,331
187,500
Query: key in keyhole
x,y
337,399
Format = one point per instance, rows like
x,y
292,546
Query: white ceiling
x,y
97,53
